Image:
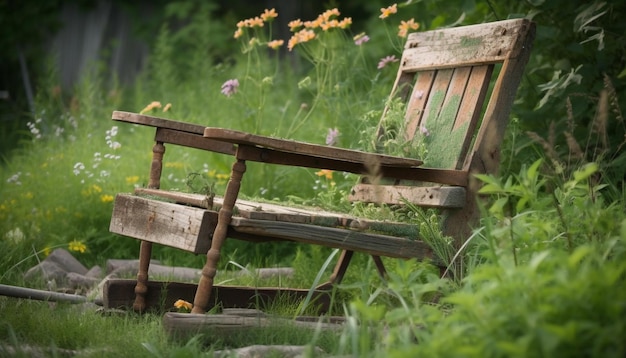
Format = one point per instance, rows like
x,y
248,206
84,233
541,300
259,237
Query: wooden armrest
x,y
157,122
310,150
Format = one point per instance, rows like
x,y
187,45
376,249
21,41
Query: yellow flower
x,y
183,306
106,198
386,11
167,107
28,195
275,44
222,176
46,251
151,106
405,26
77,246
325,173
269,15
176,165
132,179
294,25
96,188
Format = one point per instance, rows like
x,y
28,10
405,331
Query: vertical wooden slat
x,y
417,102
471,106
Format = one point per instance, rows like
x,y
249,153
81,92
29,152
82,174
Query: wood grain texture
x,y
430,197
178,226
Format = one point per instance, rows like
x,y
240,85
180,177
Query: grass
x,y
542,275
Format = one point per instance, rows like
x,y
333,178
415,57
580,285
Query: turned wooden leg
x,y
145,250
201,300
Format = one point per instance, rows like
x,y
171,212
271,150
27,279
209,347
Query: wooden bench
x,y
460,83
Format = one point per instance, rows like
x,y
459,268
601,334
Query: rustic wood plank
x,y
164,223
308,149
417,102
158,122
429,197
464,46
360,241
193,140
161,295
275,212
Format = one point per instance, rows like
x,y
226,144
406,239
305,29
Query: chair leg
x,y
205,286
145,250
339,271
380,267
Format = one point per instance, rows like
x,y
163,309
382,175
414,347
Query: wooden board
x,y
430,197
161,295
312,150
464,46
178,226
275,212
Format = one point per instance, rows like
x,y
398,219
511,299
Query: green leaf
x,y
585,172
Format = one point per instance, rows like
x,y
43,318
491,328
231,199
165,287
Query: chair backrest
x,y
445,80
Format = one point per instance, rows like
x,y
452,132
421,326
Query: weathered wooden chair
x,y
460,83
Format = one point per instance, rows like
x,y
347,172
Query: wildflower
x,y
345,23
253,41
301,36
327,25
183,306
77,246
255,22
326,15
269,15
360,39
386,11
238,33
386,60
331,137
106,198
167,107
405,26
425,132
151,106
325,173
230,87
275,44
294,25
132,179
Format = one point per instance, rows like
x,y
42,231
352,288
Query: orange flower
x,y
301,36
405,26
167,107
345,23
151,106
275,44
295,25
327,25
326,15
238,33
255,22
386,11
183,305
269,15
325,173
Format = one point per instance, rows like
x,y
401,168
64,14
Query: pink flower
x,y
331,137
360,39
425,132
386,60
230,87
